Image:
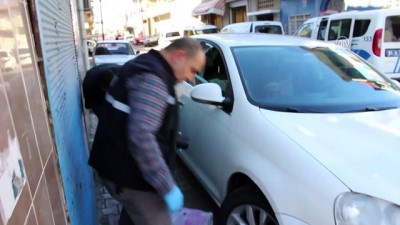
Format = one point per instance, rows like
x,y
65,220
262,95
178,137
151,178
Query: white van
x,y
167,37
372,34
270,27
203,29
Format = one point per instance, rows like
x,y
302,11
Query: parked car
x,y
372,34
150,41
113,51
90,45
203,29
25,57
167,37
7,60
286,130
266,27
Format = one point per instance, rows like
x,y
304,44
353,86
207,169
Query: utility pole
x,y
101,17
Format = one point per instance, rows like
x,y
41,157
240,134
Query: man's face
x,y
186,67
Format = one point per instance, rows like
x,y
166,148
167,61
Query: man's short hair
x,y
190,45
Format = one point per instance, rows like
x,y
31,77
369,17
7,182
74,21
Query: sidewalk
x,y
108,209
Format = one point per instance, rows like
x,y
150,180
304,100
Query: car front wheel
x,y
246,206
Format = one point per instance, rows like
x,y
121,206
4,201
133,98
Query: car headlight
x,y
360,209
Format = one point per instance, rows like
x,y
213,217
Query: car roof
x,y
256,39
201,27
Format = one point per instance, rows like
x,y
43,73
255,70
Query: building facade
x,y
170,14
44,176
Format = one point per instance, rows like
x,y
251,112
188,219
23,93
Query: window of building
x,y
296,21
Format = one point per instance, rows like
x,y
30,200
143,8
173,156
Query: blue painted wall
x,y
66,111
296,7
63,79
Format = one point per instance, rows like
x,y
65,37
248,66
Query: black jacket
x,y
109,154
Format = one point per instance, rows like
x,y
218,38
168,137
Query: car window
x,y
339,29
206,31
392,29
360,27
324,80
113,49
268,29
172,34
322,29
305,30
3,54
214,70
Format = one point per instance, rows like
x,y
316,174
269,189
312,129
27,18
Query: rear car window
x,y
392,29
360,27
269,29
172,34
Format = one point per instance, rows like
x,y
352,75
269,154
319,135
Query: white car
x,y
292,131
7,60
167,37
90,46
24,55
113,51
266,27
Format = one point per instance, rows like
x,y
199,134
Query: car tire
x,y
244,204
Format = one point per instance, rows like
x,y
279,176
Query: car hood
x,y
361,149
118,59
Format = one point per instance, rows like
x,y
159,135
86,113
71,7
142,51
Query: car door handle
x,y
180,103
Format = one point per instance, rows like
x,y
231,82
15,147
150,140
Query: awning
x,y
210,7
263,12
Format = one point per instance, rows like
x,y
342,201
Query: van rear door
x,y
390,48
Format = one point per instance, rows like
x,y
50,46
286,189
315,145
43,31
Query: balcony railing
x,y
268,4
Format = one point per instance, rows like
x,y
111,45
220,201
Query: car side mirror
x,y
137,52
208,93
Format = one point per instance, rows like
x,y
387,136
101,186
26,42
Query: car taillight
x,y
376,42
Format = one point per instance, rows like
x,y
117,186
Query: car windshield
x,y
172,34
207,31
312,79
113,49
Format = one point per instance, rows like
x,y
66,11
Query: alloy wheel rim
x,y
250,215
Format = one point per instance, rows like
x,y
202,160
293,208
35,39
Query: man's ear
x,y
178,56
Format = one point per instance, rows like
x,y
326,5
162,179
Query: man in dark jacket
x,y
134,146
95,85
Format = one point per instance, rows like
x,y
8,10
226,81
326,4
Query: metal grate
x,y
267,4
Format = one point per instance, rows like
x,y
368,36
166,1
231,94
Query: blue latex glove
x,y
174,199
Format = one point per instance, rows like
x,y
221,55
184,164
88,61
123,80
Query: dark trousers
x,y
139,207
124,218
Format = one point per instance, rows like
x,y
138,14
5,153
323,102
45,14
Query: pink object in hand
x,y
187,216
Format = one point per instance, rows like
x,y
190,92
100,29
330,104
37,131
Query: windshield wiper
x,y
373,109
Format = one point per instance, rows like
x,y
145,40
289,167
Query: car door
x,y
205,126
340,30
